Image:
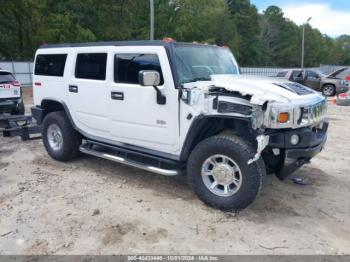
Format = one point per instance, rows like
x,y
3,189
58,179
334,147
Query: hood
x,y
337,72
261,89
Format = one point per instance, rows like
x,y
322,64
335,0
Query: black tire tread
x,y
226,141
71,138
334,89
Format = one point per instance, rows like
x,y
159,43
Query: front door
x,y
135,116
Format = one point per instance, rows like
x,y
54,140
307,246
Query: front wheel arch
x,y
204,127
51,105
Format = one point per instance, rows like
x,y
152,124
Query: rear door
x,y
9,87
312,80
87,91
135,116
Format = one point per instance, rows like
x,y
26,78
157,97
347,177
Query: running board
x,y
99,151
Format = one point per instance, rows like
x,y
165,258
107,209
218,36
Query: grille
x,y
227,107
313,114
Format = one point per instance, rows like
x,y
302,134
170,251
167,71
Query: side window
x,y
91,66
50,65
311,75
296,75
282,74
128,66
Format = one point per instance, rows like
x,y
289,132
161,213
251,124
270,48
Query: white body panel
x,y
89,106
49,87
137,119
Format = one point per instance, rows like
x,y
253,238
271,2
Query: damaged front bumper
x,y
296,158
311,141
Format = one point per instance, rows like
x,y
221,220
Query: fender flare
x,y
197,126
39,112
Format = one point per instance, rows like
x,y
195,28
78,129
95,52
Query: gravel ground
x,y
93,206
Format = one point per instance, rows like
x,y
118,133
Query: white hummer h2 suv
x,y
169,107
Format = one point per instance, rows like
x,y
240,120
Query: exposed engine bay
x,y
270,105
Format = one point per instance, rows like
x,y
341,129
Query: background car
x,y
343,99
344,73
329,85
10,94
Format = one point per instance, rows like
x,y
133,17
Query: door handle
x,y
73,88
117,95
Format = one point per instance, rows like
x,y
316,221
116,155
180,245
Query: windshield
x,y
321,74
198,63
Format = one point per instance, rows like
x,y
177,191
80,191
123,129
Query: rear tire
x,y
237,183
60,139
328,90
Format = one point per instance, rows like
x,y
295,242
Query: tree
x,y
267,39
246,24
280,37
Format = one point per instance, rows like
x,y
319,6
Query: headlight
x,y
280,117
289,115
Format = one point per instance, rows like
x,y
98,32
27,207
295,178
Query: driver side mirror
x,y
149,78
152,78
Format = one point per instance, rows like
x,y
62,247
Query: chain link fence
x,y
23,70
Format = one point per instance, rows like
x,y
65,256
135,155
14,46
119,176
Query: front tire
x,y
60,139
219,174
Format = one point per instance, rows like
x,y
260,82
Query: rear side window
x,y
6,77
91,66
50,65
296,75
128,66
281,74
311,75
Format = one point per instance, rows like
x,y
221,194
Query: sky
x,y
331,17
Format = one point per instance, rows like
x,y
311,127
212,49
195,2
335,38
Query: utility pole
x,y
303,43
151,35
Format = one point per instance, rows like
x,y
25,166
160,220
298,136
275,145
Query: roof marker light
x,y
168,39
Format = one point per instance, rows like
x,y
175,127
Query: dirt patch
x,y
116,233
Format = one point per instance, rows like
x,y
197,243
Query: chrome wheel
x,y
221,175
55,137
328,90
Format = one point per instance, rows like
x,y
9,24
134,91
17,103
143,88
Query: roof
x,y
121,43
